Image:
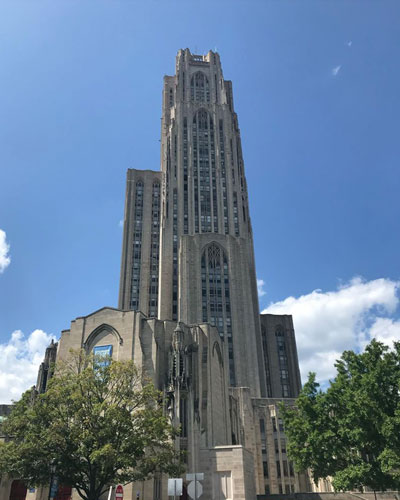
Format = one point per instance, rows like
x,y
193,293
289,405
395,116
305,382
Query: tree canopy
x,y
97,422
351,431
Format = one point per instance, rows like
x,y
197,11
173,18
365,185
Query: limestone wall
x,y
228,473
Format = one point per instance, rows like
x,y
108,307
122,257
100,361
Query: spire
x,y
177,338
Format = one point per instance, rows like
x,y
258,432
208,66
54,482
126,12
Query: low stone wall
x,y
380,495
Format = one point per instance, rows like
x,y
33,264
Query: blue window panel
x,y
103,351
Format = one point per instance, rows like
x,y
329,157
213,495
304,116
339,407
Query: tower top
x,y
196,58
186,58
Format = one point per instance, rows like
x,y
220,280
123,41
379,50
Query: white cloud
x,y
385,330
121,223
327,323
349,43
260,288
5,259
336,70
20,358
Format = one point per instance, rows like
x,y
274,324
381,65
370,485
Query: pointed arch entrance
x,y
64,493
18,490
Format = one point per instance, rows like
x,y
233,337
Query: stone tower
x,y
196,264
188,313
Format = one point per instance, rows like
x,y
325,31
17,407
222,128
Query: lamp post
x,y
52,471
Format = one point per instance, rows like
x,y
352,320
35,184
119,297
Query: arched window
x,y
204,174
216,304
137,245
199,88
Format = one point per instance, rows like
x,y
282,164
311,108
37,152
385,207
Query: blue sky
x,y
316,88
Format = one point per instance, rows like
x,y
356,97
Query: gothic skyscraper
x,y
188,313
197,265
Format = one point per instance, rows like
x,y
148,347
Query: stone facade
x,y
205,257
140,245
197,397
280,356
188,298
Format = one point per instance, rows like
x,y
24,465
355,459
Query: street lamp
x,y
52,472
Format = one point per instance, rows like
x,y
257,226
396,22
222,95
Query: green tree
x,y
351,431
97,422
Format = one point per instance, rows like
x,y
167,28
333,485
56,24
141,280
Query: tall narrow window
x,y
199,88
154,250
283,361
185,178
195,174
216,305
175,256
183,417
175,154
239,160
235,214
168,155
223,176
204,174
214,207
264,447
137,246
266,360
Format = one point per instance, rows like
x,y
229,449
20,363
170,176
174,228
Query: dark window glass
x,y
137,245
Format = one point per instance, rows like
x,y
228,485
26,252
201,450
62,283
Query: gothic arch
x,y
221,248
217,350
215,296
199,87
100,329
220,388
204,114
